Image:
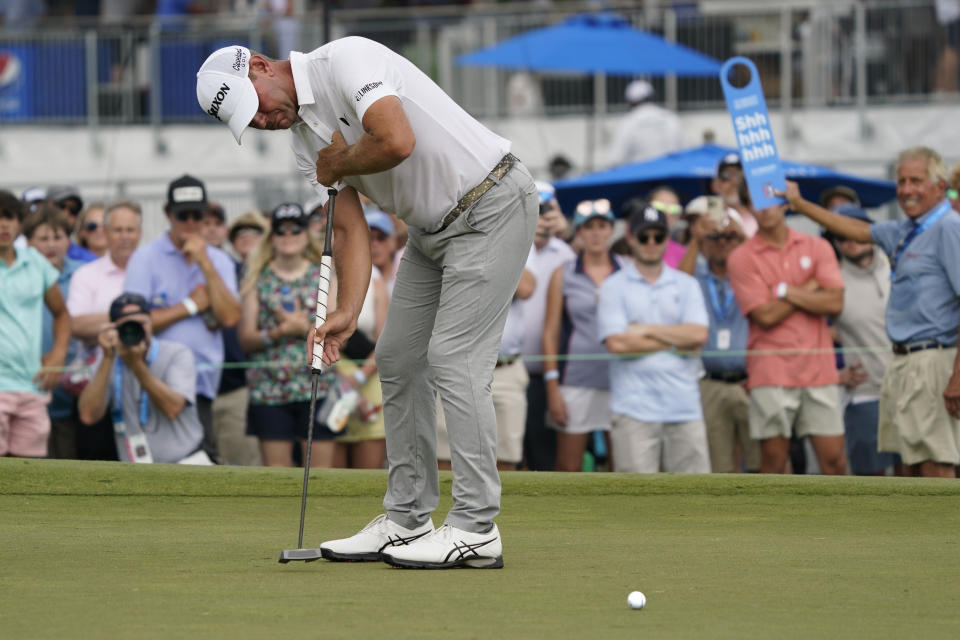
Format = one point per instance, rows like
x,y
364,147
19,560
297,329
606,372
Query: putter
x,y
316,368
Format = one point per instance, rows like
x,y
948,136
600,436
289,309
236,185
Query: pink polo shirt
x,y
755,267
94,286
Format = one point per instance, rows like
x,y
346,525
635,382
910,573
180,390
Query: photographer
x,y
156,418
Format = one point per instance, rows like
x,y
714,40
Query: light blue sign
x,y
751,125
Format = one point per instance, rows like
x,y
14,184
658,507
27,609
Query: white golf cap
x,y
638,91
225,92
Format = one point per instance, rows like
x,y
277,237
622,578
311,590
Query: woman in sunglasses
x,y
665,200
278,297
578,389
90,231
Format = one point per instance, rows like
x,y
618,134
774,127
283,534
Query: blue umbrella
x,y
690,172
594,43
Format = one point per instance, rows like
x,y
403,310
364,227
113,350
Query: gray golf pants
x,y
443,332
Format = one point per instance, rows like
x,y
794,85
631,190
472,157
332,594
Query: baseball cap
x,y
839,190
642,216
638,91
589,209
60,192
731,159
287,212
126,299
224,89
377,219
217,211
34,194
186,193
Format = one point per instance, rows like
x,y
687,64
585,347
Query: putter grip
x,y
323,287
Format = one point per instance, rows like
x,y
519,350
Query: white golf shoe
x,y
366,546
449,547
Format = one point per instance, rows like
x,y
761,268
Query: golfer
x,y
366,117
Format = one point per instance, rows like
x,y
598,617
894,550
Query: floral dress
x,y
280,375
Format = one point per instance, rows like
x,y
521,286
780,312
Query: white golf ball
x,y
636,600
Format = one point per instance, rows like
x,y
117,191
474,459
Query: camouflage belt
x,y
502,168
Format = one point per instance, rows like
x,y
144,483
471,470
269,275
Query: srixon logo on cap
x,y
218,99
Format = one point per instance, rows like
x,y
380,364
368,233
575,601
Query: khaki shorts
x,y
913,418
650,447
805,411
510,405
588,410
725,410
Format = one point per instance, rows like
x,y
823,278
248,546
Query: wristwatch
x,y
781,291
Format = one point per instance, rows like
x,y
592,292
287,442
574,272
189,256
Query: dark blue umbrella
x,y
690,172
594,43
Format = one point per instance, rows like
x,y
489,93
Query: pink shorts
x,y
24,424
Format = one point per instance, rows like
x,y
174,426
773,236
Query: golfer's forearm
x,y
87,327
688,263
169,402
369,154
844,226
681,336
824,302
623,343
353,264
224,304
92,404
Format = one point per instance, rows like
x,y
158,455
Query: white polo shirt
x,y
338,82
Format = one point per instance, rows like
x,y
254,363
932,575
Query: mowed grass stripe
x,y
84,478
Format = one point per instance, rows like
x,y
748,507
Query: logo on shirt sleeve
x,y
367,88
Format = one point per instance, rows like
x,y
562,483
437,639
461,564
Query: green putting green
x,y
108,550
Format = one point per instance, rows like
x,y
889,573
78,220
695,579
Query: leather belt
x,y
503,167
902,349
733,377
503,362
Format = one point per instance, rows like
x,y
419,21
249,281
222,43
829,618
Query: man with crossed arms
x,y
920,396
363,115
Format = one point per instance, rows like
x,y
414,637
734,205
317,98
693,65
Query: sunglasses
x,y
594,207
727,237
669,209
91,226
656,238
70,206
183,216
727,175
288,230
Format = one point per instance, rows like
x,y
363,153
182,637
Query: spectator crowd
x,y
694,337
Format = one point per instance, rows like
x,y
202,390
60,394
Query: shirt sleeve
x,y
887,235
137,277
363,73
179,372
748,287
828,269
80,294
695,308
225,268
611,311
947,252
50,273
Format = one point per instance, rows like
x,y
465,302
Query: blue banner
x,y
16,90
751,125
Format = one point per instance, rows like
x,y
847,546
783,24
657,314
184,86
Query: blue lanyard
x,y
118,389
942,209
719,310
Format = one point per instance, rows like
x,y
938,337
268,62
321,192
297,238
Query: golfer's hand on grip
x,y
333,334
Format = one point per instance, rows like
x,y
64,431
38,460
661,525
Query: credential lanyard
x,y
938,213
719,310
118,389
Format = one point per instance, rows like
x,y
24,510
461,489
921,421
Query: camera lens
x,y
131,333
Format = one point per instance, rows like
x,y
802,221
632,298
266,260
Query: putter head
x,y
301,555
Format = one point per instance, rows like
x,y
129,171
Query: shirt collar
x,y
920,220
667,274
792,238
166,244
613,260
301,78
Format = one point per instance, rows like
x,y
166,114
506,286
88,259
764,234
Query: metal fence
x,y
809,52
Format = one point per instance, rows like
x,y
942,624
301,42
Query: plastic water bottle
x,y
345,405
286,299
